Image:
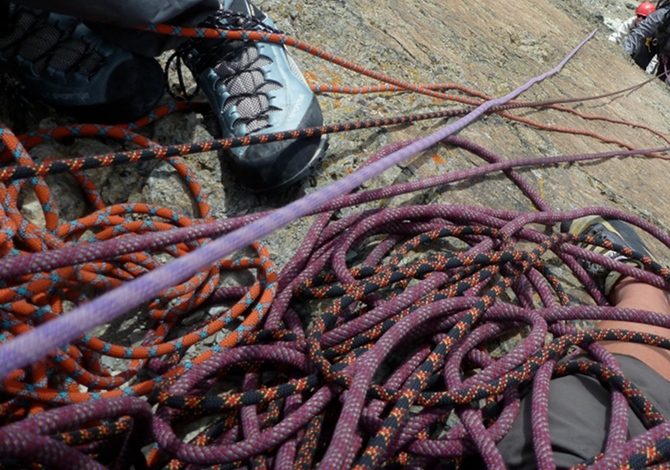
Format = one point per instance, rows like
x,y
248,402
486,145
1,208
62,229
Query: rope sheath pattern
x,y
377,344
28,347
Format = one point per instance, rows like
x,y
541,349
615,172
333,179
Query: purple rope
x,y
638,444
14,266
544,455
368,364
268,439
420,319
35,344
28,439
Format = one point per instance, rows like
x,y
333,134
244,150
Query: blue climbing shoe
x,y
256,88
612,230
63,63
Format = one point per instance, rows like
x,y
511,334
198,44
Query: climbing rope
x,y
378,343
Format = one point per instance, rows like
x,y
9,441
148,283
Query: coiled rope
x,y
363,351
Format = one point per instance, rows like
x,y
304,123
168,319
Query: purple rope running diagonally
x,y
13,266
32,346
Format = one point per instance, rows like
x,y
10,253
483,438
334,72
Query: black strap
x,y
4,14
663,32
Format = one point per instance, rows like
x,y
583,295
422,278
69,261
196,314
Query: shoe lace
x,y
237,63
32,37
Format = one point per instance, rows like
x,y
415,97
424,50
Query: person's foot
x,y
613,231
256,88
62,62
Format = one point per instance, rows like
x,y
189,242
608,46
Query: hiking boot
x,y
614,231
256,88
62,62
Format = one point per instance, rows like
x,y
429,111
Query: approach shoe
x,y
256,88
613,230
62,62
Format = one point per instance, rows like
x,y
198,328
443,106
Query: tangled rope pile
x,y
377,344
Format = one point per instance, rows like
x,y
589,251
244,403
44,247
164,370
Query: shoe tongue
x,y
38,42
247,85
75,52
238,64
20,24
44,45
251,109
248,92
239,59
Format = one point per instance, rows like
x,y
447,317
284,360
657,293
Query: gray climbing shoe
x,y
256,88
615,231
62,62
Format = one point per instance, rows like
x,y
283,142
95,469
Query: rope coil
x,y
377,344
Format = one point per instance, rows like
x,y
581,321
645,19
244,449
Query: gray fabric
x,y
111,18
579,416
647,29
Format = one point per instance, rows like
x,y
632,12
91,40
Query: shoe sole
x,y
307,171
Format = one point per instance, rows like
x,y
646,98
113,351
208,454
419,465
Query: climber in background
x,y
650,38
642,11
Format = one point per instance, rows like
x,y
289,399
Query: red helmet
x,y
645,9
